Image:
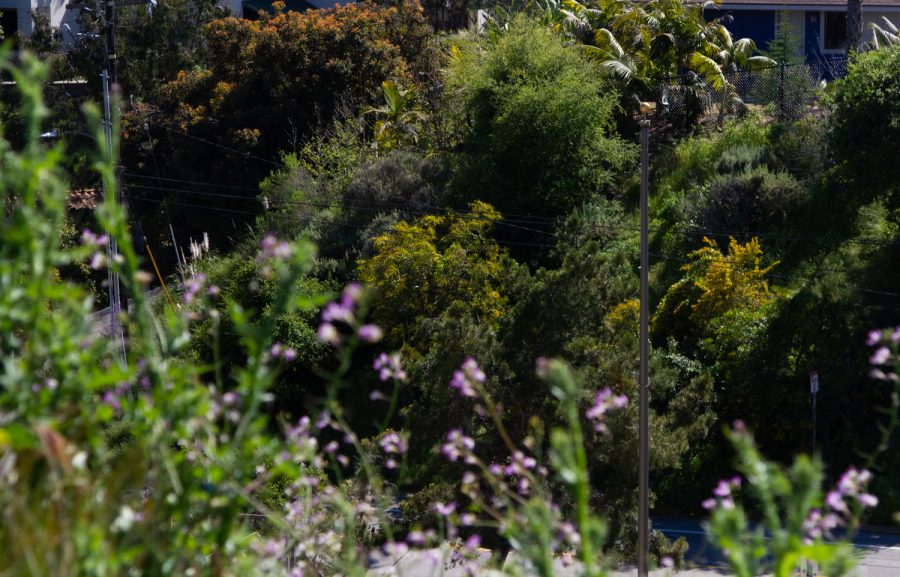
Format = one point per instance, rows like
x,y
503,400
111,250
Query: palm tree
x,y
397,122
885,36
665,38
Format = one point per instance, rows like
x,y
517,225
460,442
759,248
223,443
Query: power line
x,y
466,216
222,146
194,182
377,204
314,220
507,242
682,230
503,222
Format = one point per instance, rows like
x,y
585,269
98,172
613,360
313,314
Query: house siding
x,y
756,24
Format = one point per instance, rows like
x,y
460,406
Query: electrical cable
x,y
318,221
682,230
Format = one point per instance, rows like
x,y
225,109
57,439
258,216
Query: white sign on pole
x,y
814,382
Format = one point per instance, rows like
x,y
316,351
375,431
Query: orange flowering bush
x,y
287,72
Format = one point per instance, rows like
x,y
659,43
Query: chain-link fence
x,y
788,92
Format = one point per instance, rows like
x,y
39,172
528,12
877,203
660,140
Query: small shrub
x,y
401,180
751,201
740,159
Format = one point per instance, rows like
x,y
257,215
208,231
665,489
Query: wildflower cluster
x,y
393,445
887,341
468,378
722,494
604,402
346,311
843,504
515,495
389,367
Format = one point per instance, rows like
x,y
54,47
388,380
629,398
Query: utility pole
x,y
643,382
111,62
112,249
110,78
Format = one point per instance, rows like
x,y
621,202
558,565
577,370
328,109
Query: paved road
x,y
879,552
879,556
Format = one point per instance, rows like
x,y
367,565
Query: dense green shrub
x,y
865,122
217,342
539,119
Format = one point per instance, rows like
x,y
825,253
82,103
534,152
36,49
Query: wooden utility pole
x,y
643,382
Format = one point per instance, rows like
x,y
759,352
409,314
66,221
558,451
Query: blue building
x,y
820,25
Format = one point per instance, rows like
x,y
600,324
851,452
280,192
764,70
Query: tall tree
x,y
854,25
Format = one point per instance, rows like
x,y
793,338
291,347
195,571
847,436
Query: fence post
x,y
781,113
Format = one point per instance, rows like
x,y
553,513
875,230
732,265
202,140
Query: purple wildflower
x,y
444,509
467,378
393,443
881,356
472,543
98,261
395,549
542,367
370,333
457,445
329,334
88,238
338,312
874,337
389,367
111,399
193,287
604,402
271,247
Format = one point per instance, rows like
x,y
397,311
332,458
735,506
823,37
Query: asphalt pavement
x,y
879,556
878,551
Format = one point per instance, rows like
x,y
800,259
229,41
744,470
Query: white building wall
x,y
796,19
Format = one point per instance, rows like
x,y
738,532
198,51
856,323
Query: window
x,y
835,36
9,20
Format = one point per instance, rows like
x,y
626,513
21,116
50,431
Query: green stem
x,y
582,490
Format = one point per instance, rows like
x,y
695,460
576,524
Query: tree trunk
x,y
854,25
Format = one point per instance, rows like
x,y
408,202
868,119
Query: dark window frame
x,y
834,31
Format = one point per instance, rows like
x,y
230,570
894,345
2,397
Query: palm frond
x,y
605,40
619,69
707,68
760,63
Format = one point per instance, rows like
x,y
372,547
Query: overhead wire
x,y
311,220
509,242
221,146
518,221
399,207
537,221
